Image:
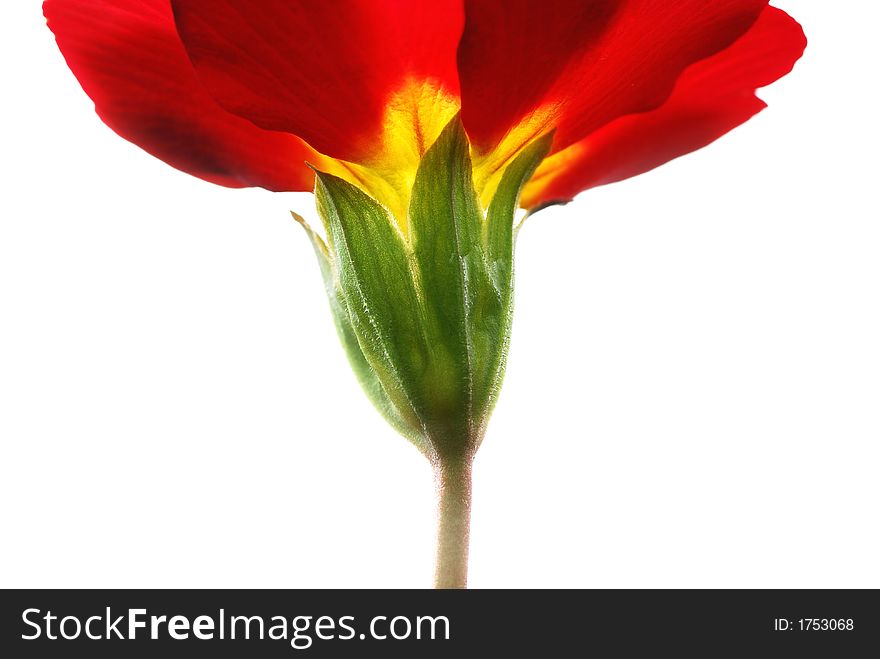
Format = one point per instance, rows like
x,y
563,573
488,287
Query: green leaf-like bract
x,y
425,319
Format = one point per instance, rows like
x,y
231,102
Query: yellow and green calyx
x,y
418,267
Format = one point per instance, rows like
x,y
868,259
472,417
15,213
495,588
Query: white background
x,y
692,400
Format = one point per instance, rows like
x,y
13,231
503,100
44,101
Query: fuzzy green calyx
x,y
425,319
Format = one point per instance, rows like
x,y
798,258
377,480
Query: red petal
x,y
711,98
128,58
322,70
578,64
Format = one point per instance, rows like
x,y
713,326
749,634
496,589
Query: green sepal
x,y
446,226
373,266
364,373
499,238
499,234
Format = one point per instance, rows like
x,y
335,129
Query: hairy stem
x,y
453,481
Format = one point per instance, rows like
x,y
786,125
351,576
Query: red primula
x,y
447,114
244,92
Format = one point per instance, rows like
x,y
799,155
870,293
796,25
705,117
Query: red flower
x,y
243,92
461,107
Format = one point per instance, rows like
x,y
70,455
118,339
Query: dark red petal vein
x,y
711,98
323,70
583,63
128,58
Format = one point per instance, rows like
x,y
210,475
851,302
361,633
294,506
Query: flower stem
x,y
453,480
